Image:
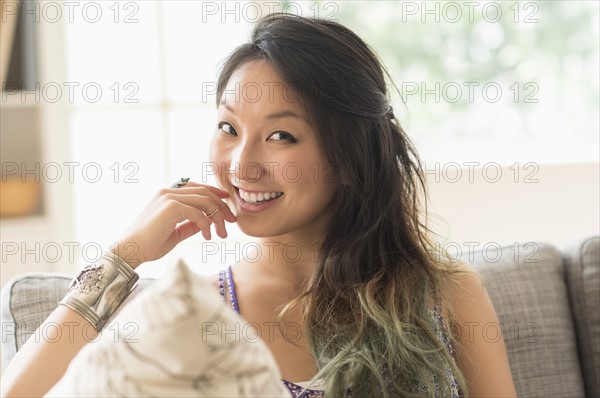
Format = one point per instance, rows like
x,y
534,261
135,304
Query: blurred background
x,y
103,103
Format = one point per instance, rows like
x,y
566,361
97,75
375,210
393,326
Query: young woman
x,y
309,155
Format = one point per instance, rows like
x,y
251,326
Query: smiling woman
x,y
370,295
272,130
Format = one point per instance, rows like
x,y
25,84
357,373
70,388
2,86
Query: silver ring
x,y
213,213
180,183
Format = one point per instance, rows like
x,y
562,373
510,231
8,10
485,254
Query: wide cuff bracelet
x,y
98,290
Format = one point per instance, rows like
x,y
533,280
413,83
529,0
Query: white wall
x,y
560,207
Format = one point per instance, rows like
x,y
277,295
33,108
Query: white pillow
x,y
172,341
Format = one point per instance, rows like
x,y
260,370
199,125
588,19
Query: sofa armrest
x,y
527,286
582,272
28,299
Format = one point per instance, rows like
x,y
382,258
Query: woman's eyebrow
x,y
277,115
283,114
227,106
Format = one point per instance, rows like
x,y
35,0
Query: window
x,y
482,81
142,114
490,81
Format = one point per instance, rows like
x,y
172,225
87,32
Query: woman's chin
x,y
256,229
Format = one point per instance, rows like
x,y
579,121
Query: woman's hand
x,y
172,216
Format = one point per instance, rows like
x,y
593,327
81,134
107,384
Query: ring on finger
x,y
213,213
180,183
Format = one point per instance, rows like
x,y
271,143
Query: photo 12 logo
x,y
52,332
54,172
72,92
489,172
68,252
453,92
471,11
251,12
290,172
490,252
71,11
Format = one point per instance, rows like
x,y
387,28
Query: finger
x,y
204,221
225,212
189,228
205,201
219,221
217,191
196,216
185,230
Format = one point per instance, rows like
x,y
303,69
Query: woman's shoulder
x,y
451,301
467,288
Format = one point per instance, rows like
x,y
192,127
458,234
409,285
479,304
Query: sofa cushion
x,y
28,299
526,285
582,266
185,343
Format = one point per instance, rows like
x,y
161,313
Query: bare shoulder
x,y
472,291
479,333
470,304
467,290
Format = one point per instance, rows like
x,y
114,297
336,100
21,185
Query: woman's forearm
x,y
45,356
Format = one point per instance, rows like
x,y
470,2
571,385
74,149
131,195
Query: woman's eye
x,y
282,136
227,128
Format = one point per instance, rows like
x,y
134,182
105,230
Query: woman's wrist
x,y
128,253
100,288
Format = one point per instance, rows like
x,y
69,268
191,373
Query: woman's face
x,y
268,157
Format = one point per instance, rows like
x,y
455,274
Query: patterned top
x,y
298,391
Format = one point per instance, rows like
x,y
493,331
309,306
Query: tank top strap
x,y
437,301
222,285
226,285
443,329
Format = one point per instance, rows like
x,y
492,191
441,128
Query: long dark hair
x,y
365,304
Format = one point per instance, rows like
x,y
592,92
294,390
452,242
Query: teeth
x,y
259,197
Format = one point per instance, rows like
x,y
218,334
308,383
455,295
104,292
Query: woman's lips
x,y
255,207
258,196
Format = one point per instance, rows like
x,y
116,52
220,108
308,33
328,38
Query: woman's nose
x,y
245,165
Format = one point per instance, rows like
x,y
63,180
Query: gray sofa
x,y
546,298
